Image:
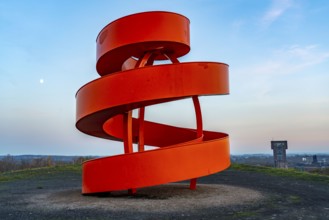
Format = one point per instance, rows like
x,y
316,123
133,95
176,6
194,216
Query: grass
x,y
30,173
321,171
282,172
294,199
245,214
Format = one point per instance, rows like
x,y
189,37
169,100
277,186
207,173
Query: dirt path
x,y
228,195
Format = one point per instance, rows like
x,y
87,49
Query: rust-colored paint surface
x,y
127,51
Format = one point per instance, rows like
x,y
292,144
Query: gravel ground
x,y
227,195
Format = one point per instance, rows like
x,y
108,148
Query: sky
x,y
277,50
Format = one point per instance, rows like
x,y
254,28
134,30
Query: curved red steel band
x,y
126,51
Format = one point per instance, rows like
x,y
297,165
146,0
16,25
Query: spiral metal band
x,y
126,51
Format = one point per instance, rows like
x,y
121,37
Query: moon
x,y
41,81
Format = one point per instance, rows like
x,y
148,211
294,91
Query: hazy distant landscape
x,y
21,162
300,162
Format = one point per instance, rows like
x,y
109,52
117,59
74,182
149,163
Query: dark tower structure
x,y
279,153
315,160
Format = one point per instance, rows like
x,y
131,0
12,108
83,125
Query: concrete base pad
x,y
164,198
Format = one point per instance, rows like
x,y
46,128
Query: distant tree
x,y
7,163
25,164
49,161
36,162
80,160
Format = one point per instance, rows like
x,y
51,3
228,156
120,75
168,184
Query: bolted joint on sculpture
x,y
127,50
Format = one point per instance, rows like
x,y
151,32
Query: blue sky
x,y
278,52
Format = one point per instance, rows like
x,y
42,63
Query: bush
x,y
8,163
323,171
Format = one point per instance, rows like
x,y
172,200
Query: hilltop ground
x,y
241,192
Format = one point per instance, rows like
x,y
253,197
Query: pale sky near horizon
x,y
278,52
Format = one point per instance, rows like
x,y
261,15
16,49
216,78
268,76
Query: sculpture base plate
x,y
169,198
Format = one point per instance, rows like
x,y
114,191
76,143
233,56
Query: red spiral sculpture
x,y
126,51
